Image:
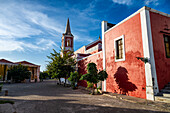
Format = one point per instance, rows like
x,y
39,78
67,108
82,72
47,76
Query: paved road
x,y
47,97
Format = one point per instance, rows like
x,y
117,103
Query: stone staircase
x,y
164,95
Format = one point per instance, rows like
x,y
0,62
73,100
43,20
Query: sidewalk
x,y
136,100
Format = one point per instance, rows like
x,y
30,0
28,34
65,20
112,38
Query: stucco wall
x,y
80,50
82,64
126,77
162,63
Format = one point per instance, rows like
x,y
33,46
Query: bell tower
x,y
67,39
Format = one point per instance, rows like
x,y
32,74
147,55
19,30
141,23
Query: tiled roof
x,y
26,63
6,61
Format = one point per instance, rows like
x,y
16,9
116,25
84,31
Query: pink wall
x,y
80,50
162,63
129,74
93,45
82,65
95,51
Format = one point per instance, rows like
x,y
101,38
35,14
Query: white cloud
x,y
46,44
12,45
13,24
154,2
20,21
125,2
43,20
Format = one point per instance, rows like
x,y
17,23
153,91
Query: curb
x,y
119,98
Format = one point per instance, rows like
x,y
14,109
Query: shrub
x,y
92,76
43,75
6,101
18,73
89,85
74,78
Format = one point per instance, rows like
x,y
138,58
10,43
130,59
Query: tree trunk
x,y
4,76
65,82
93,90
59,81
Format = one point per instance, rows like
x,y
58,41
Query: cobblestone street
x,y
47,97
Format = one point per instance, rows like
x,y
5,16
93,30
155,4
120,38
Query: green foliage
x,y
1,85
102,75
74,78
18,73
44,75
89,85
6,101
60,66
0,77
145,60
93,76
92,69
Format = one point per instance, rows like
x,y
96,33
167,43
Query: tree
x,y
18,73
93,76
61,64
74,78
54,67
43,75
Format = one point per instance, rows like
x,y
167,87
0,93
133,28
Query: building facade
x,y
144,35
135,53
5,65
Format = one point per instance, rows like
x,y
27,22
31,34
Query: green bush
x,y
92,76
89,85
18,73
44,75
74,78
1,85
6,101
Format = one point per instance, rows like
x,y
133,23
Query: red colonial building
x,y
135,53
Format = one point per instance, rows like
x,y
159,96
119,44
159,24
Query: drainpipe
x,y
104,28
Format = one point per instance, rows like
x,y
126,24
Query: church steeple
x,y
68,30
67,38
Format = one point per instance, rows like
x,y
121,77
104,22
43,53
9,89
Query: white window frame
x,y
115,48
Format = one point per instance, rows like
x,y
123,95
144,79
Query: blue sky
x,y
30,29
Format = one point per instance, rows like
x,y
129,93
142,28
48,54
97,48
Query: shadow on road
x,y
73,106
48,97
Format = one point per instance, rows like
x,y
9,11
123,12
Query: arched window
x,y
68,43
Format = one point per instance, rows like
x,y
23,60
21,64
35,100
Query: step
x,y
162,99
166,95
167,88
168,85
160,94
165,91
